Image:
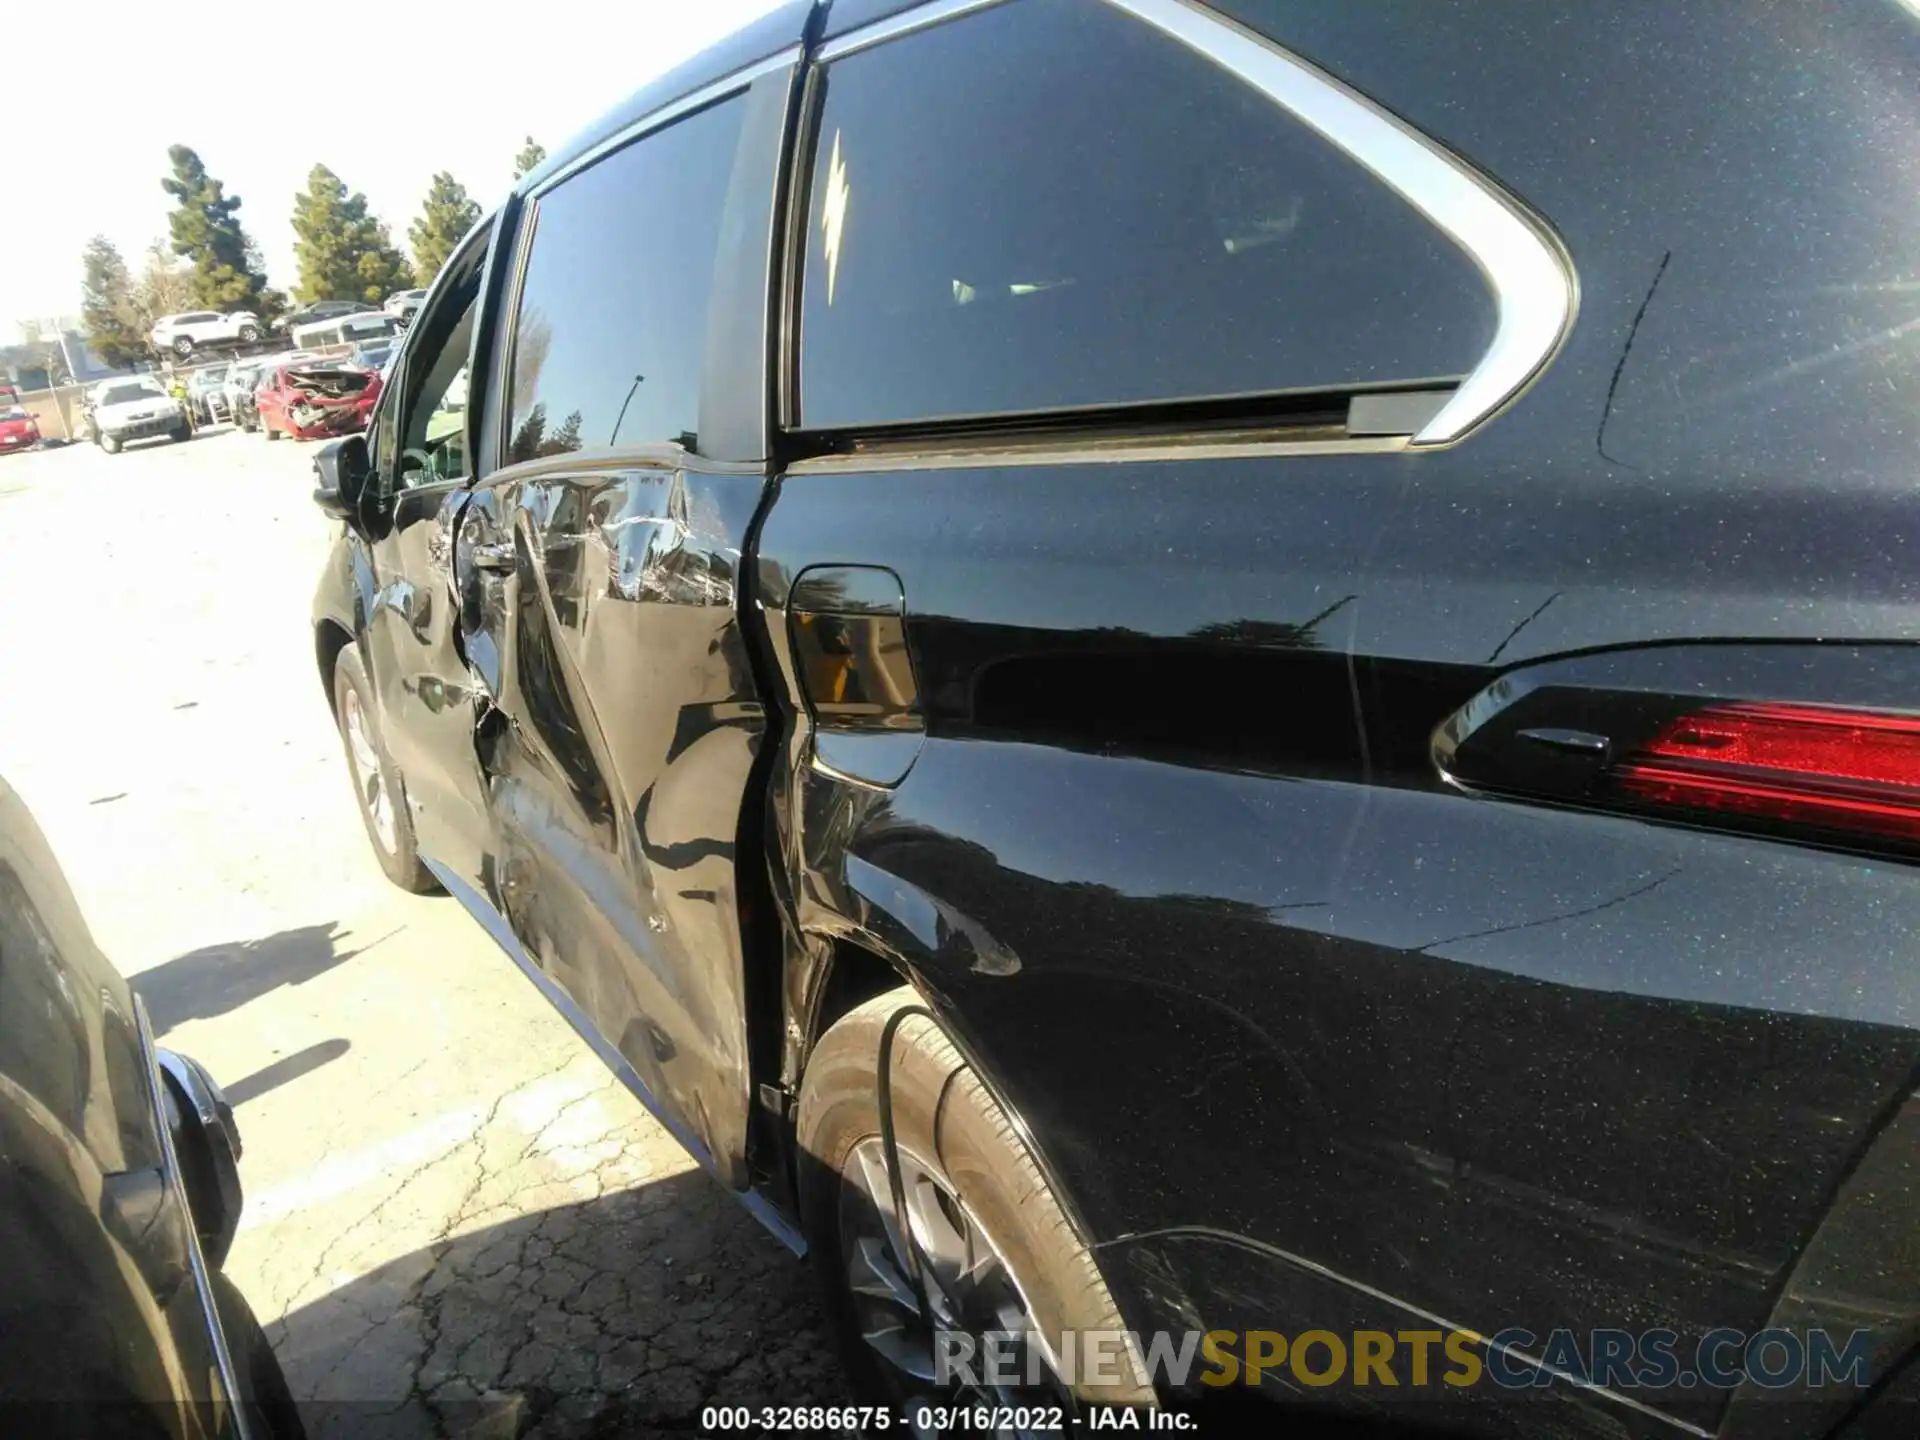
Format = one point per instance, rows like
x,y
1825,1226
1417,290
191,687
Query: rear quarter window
x,y
1051,205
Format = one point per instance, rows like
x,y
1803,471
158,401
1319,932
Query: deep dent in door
x,y
628,725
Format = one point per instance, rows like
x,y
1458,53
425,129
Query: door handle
x,y
498,555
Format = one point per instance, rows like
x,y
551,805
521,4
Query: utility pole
x,y
66,358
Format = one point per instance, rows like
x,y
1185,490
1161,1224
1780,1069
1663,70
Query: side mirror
x,y
340,472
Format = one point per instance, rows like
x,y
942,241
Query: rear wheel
x,y
272,434
377,784
992,1243
185,432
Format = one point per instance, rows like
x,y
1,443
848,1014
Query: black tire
x,y
943,1114
249,334
272,434
185,432
394,849
264,1393
109,444
183,346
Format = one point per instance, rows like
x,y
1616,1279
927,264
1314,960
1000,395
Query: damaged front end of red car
x,y
323,403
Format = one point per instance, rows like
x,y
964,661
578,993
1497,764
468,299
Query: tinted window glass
x,y
1048,204
613,314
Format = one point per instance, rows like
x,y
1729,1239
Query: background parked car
x,y
136,408
119,1198
18,429
323,310
371,354
311,402
242,377
202,385
403,303
335,337
180,335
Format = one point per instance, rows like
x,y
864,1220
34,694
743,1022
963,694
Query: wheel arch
x,y
845,975
330,637
851,975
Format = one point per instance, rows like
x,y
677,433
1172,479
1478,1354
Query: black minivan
x,y
1234,684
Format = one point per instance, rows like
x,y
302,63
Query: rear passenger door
x,y
599,565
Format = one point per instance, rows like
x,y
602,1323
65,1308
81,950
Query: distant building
x,y
25,366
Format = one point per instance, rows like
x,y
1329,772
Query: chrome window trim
x,y
1019,457
1535,288
726,87
662,115
906,22
1535,291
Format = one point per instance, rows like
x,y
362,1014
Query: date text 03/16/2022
x,y
942,1419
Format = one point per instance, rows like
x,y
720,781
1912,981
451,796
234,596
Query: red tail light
x,y
1804,764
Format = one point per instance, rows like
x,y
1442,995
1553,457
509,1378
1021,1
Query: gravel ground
x,y
457,1223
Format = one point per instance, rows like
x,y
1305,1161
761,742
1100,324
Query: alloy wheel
x,y
369,779
969,1288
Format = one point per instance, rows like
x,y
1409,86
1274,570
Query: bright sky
x,y
384,95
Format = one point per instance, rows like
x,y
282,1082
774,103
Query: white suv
x,y
180,333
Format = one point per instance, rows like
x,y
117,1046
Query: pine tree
x,y
444,220
205,229
344,251
566,438
531,154
106,305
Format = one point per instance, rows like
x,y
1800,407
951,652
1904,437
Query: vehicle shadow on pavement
x,y
625,1315
221,978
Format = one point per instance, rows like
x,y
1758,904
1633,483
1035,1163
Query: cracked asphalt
x,y
457,1223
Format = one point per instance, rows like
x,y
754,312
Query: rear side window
x,y
612,323
1050,205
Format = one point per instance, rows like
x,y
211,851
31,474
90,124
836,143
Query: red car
x,y
18,429
313,402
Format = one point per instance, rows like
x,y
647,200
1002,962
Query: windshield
x,y
207,379
124,394
15,412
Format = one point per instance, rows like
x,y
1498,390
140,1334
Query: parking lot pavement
x,y
456,1223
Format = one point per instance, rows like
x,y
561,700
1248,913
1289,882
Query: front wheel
x,y
185,432
272,434
183,346
264,1393
109,444
994,1247
377,783
249,334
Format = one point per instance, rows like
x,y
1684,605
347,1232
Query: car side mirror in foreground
x,y
340,473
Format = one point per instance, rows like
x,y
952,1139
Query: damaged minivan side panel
x,y
616,787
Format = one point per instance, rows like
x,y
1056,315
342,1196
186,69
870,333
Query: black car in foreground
x,y
1230,686
119,1197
